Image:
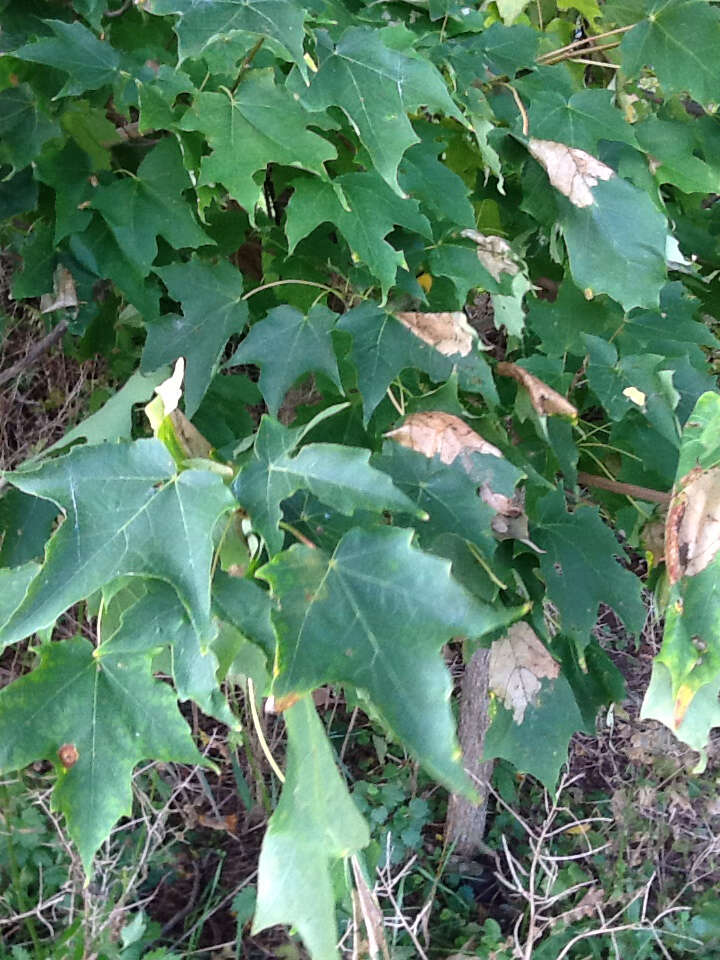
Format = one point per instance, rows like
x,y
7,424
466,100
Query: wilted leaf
x,y
692,529
494,253
435,433
64,294
571,171
517,662
544,399
450,333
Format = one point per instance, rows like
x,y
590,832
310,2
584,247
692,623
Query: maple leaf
x,y
139,209
126,512
260,123
94,715
285,345
377,87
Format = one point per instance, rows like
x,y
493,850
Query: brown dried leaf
x,y
571,171
692,529
64,294
517,663
544,399
494,253
450,332
434,432
193,443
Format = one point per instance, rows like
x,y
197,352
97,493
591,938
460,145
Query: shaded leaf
x,y
580,570
23,128
286,345
76,51
338,475
213,310
367,213
139,209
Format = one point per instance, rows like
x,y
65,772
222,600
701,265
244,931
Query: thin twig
x,y
571,53
627,489
584,42
34,354
521,108
120,10
594,63
304,283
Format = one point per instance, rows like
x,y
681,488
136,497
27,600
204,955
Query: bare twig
x,y
41,347
627,489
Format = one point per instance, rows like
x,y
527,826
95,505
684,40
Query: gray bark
x,y
465,822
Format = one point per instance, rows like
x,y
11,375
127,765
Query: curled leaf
x,y
494,253
518,661
692,528
544,399
570,170
450,333
435,433
64,295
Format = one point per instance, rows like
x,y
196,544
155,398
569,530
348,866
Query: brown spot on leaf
x,y
68,754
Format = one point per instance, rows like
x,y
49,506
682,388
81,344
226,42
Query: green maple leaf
x,y
14,583
260,123
672,145
377,87
580,120
610,378
76,51
365,211
375,614
448,493
617,244
126,512
200,25
213,310
148,616
679,40
441,192
538,745
286,345
580,570
23,128
247,606
382,347
112,711
100,254
25,525
561,324
67,170
315,823
139,209
339,476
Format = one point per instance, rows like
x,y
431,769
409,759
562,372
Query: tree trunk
x,y
465,822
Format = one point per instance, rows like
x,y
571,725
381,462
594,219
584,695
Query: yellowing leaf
x,y
494,253
518,661
450,333
571,171
545,400
435,433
